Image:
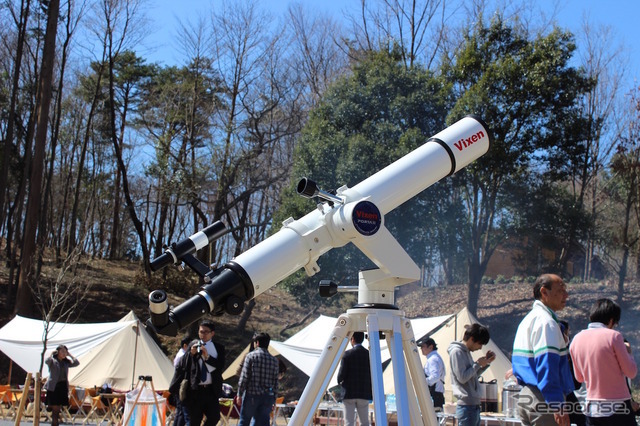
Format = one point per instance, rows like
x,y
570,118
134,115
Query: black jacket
x,y
355,374
189,367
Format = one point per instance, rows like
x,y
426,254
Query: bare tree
x,y
604,61
60,299
23,297
417,27
120,29
12,43
96,98
317,54
621,190
8,142
46,221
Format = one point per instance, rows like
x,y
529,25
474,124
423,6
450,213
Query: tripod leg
x,y
417,375
401,385
413,399
323,372
375,359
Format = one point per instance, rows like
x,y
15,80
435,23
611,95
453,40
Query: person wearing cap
x,y
434,371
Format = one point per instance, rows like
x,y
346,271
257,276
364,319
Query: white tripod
x,y
408,374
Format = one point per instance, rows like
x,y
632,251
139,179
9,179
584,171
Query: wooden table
x,y
282,411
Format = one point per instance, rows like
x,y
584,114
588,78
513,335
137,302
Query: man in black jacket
x,y
355,377
202,364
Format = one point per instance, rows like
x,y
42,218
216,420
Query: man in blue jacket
x,y
540,357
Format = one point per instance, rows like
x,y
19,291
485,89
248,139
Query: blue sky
x,y
621,15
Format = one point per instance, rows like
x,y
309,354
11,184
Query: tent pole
x,y
455,330
135,354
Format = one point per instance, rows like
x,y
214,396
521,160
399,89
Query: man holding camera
x,y
202,365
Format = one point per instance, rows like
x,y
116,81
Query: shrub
x,y
182,284
487,280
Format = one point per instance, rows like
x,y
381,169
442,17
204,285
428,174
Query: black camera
x,y
198,347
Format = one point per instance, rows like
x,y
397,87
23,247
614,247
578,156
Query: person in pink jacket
x,y
602,360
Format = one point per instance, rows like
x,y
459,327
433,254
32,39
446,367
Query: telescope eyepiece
x,y
159,308
307,188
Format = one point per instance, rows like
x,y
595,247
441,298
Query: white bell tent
x,y
116,353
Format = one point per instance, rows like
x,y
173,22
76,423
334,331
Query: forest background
x,y
107,156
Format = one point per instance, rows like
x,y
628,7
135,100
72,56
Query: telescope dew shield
x,y
441,155
197,241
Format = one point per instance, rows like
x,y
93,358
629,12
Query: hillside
x,y
501,307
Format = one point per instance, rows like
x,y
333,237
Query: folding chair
x,y
114,408
76,407
228,410
16,402
274,409
5,400
171,409
98,412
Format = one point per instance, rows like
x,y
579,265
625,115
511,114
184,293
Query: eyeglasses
x,y
205,331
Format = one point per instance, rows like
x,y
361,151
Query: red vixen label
x,y
366,218
466,142
365,215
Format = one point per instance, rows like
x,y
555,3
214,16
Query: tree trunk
x,y
475,279
622,274
24,305
15,86
123,170
246,314
46,221
114,252
71,236
626,244
638,264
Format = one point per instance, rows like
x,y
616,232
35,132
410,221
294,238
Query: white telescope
x,y
353,215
